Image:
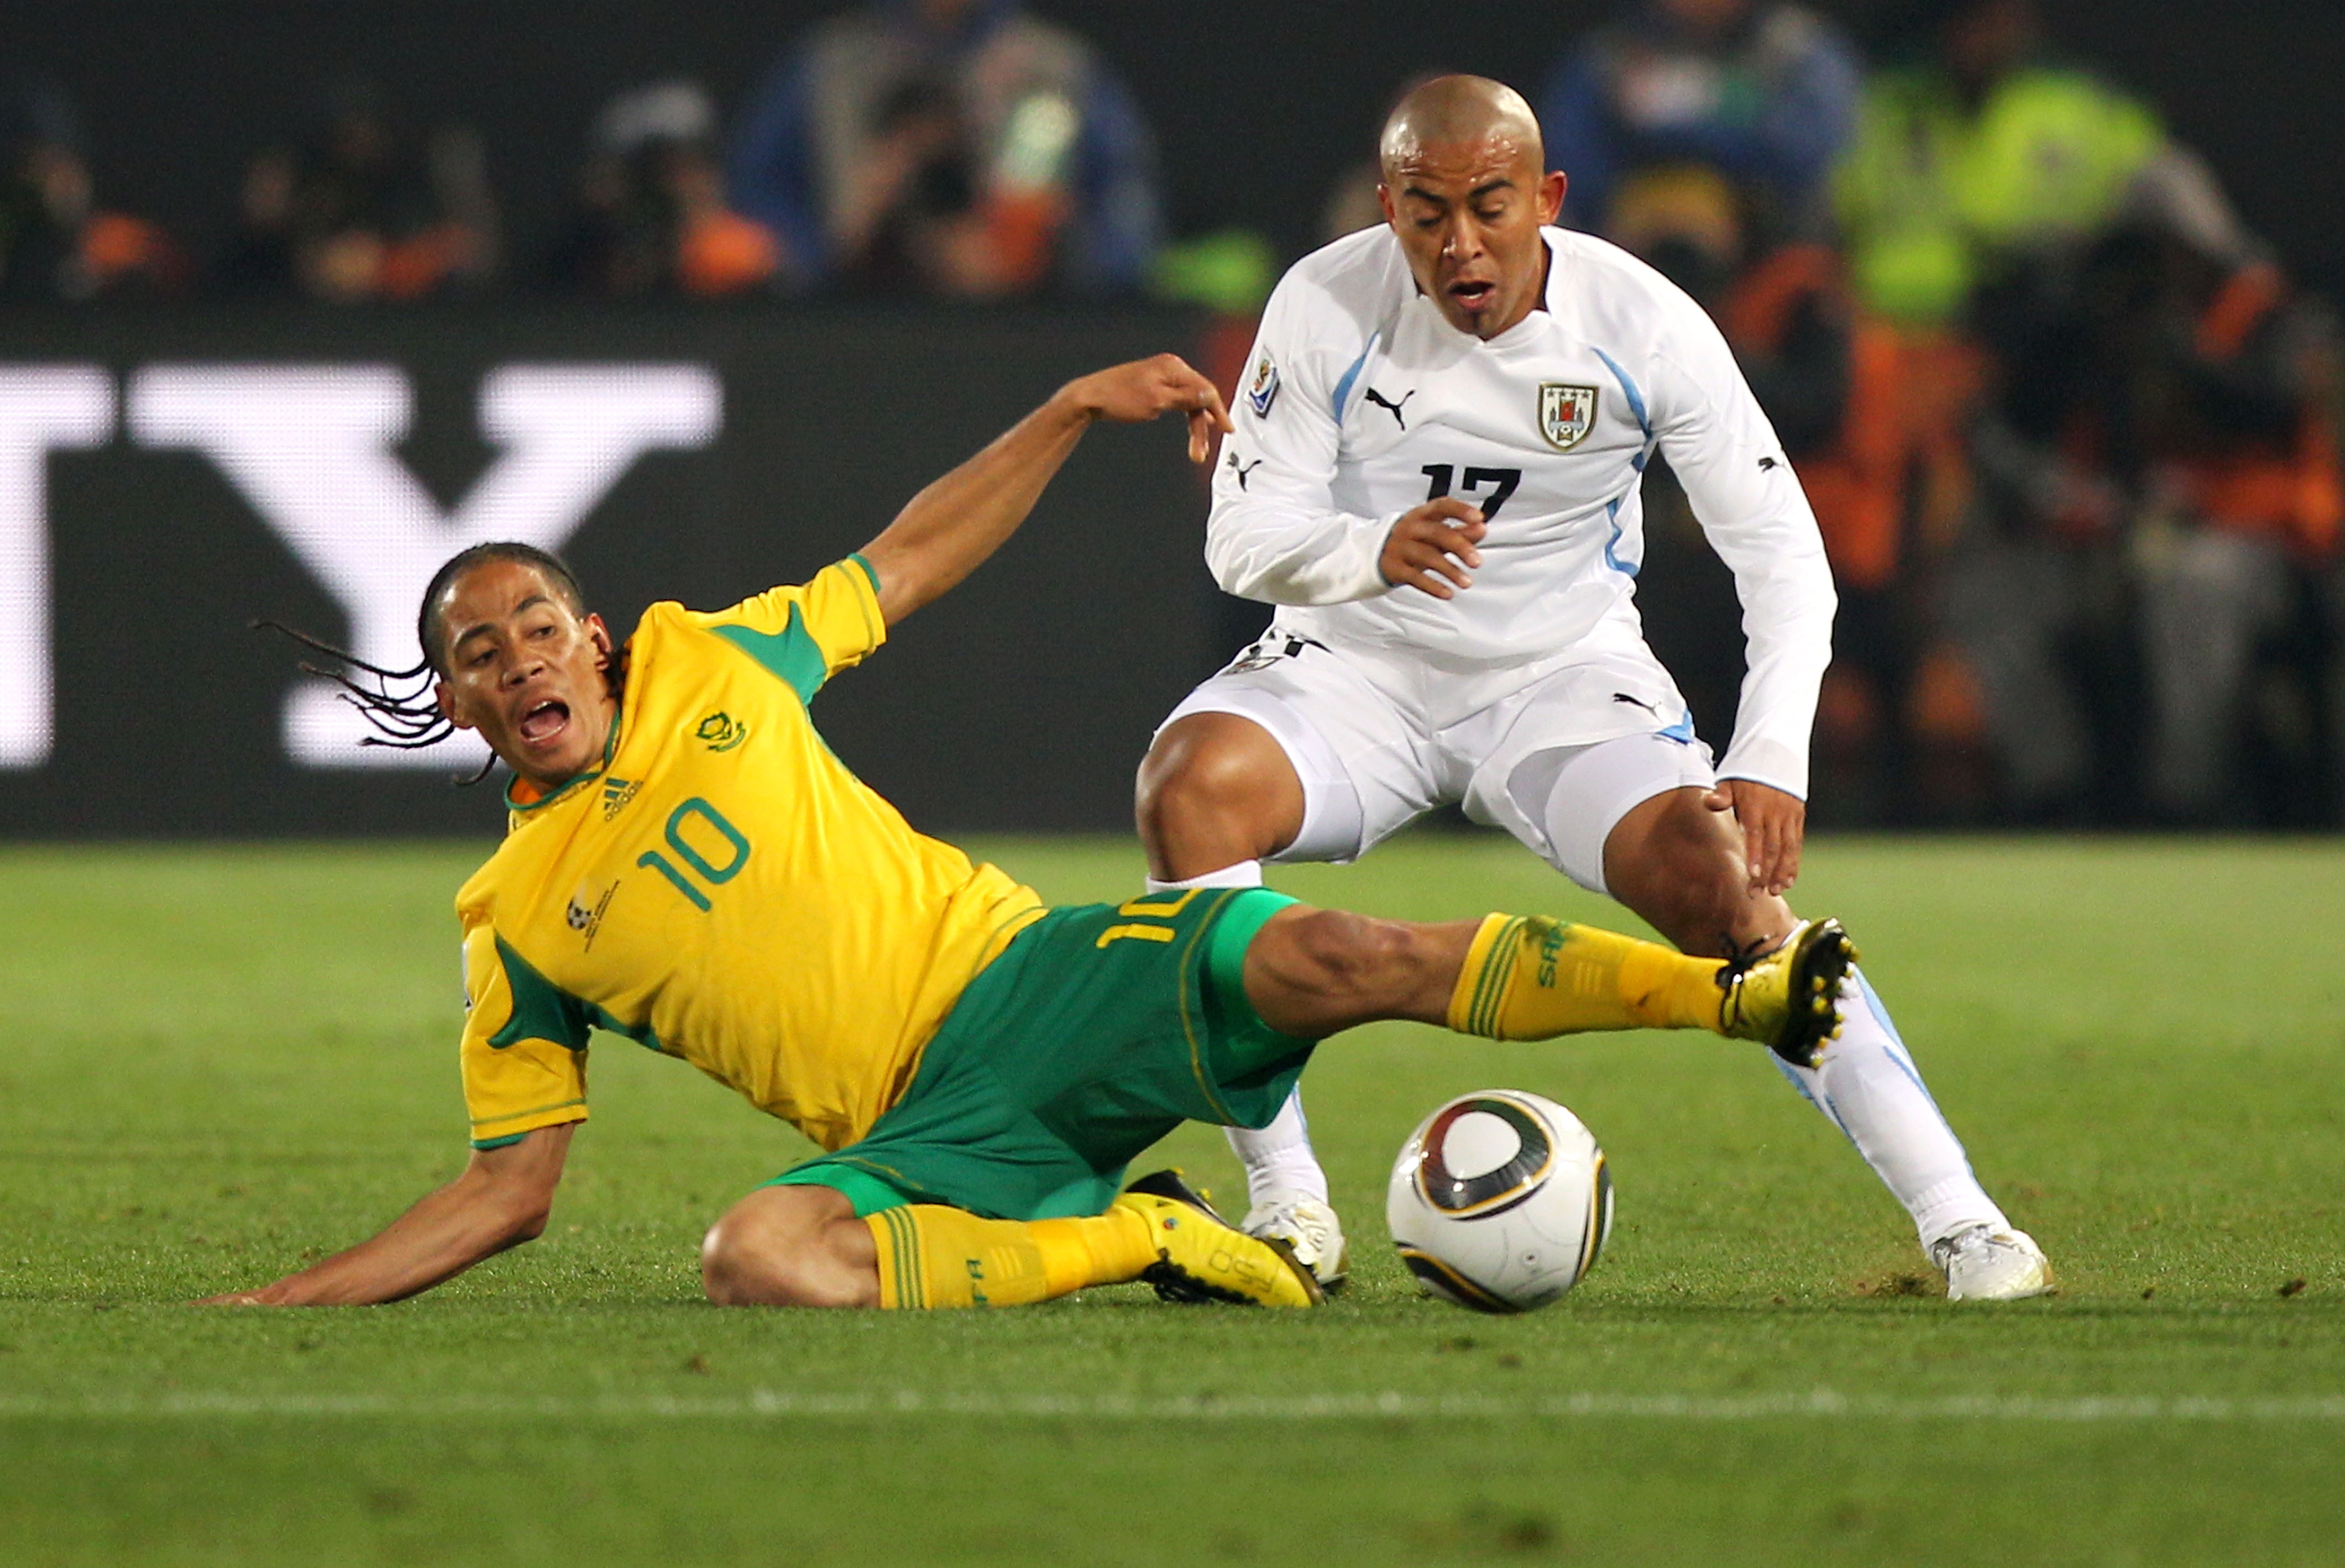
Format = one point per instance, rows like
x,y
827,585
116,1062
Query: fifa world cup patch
x,y
1262,390
1566,413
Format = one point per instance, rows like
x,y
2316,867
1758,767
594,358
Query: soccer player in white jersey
x,y
1434,475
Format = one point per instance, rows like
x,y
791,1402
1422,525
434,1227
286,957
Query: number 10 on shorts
x,y
1162,906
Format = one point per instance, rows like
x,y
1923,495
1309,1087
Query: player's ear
x,y
600,635
1384,201
444,699
1550,195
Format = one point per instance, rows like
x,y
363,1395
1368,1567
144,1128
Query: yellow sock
x,y
932,1256
1529,977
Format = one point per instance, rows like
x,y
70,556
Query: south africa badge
x,y
1566,413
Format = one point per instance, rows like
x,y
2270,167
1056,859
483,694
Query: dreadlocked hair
x,y
399,702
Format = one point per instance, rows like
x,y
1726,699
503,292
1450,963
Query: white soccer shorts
x,y
1554,752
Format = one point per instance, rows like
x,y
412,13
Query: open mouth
x,y
543,723
1474,294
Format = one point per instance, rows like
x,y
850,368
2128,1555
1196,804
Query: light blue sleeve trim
x,y
1629,387
1645,425
1343,387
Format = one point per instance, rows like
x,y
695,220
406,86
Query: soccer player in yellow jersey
x,y
690,866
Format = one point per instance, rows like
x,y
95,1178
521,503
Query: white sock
x,y
1279,1164
1244,874
1868,1086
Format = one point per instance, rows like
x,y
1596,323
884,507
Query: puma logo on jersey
x,y
1242,470
1380,400
1766,462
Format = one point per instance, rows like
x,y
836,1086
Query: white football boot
x,y
1984,1264
1311,1227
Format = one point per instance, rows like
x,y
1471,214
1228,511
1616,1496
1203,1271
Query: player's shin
x,y
1529,977
1280,1167
1866,1082
931,1256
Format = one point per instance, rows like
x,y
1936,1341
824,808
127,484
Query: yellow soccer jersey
x,y
724,890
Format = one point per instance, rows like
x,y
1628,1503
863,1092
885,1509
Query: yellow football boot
x,y
1201,1256
1789,1000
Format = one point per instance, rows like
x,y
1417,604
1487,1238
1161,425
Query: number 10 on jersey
x,y
731,843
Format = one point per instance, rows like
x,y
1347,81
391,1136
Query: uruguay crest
x,y
1566,413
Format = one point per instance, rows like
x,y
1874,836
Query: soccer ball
x,y
1499,1201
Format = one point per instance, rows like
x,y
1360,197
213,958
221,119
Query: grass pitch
x,y
221,1062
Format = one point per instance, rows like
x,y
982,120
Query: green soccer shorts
x,y
1098,1029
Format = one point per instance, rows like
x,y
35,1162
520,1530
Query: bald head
x,y
1466,189
1451,112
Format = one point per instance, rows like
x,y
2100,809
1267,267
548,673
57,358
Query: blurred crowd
x,y
945,148
2071,432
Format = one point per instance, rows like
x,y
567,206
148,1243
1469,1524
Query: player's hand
x,y
232,1299
1774,826
1141,390
1432,549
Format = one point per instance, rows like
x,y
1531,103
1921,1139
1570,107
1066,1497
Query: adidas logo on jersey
x,y
616,793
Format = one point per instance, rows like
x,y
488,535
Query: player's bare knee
x,y
1215,787
772,1249
1186,787
735,1271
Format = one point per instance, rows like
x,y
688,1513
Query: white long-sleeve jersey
x,y
1362,402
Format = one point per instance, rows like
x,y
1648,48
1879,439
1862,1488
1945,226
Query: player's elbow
x,y
1824,591
1231,573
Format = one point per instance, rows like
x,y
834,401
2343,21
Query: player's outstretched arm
x,y
501,1200
949,527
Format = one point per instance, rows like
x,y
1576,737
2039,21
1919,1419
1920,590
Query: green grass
x,y
223,1061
